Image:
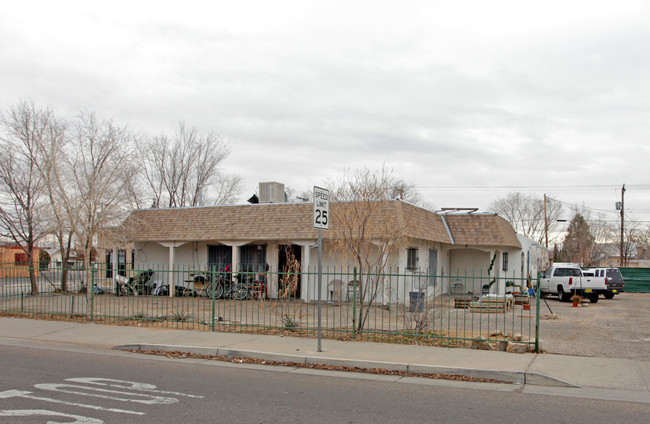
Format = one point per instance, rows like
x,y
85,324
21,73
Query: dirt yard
x,y
617,328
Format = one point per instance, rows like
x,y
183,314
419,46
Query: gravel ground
x,y
616,328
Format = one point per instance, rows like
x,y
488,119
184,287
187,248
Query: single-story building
x,y
266,237
14,263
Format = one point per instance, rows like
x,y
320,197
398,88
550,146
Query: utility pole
x,y
545,222
622,257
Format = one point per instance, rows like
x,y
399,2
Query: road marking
x,y
44,412
106,394
17,393
132,391
129,385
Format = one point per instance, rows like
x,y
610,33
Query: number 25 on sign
x,y
321,208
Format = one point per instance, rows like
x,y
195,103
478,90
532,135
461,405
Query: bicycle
x,y
224,286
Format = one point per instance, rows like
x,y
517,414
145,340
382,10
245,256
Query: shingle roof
x,y
272,221
293,221
482,230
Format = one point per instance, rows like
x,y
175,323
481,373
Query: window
x,y
20,259
253,258
567,272
505,261
412,259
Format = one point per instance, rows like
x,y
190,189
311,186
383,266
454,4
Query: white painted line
x,y
27,395
129,385
44,412
107,394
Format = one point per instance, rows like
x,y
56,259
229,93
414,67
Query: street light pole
x,y
622,256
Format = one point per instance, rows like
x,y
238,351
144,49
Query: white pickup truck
x,y
567,279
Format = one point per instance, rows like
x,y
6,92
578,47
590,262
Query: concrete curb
x,y
514,377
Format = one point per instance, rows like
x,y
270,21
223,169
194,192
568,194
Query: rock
x,y
496,333
481,343
517,347
517,337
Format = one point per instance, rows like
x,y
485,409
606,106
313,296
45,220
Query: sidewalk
x,y
602,378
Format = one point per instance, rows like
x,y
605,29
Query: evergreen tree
x,y
578,243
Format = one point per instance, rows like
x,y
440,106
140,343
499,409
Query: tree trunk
x,y
32,271
65,259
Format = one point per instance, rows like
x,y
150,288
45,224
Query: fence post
x,y
538,296
354,302
92,291
213,285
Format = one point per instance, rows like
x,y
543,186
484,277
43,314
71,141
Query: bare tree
x,y
22,214
643,245
185,170
526,215
96,167
50,164
635,238
362,233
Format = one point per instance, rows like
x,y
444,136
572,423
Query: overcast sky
x,y
466,99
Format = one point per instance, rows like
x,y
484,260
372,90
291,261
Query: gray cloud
x,y
540,97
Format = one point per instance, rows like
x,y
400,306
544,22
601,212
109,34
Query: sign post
x,y
321,222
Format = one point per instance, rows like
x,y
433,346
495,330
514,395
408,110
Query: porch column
x,y
114,262
235,255
272,259
172,278
304,269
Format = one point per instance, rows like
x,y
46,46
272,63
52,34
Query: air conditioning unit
x,y
272,192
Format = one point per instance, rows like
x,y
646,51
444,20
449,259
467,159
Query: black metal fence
x,y
454,310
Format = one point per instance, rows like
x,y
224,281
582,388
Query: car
x,y
613,280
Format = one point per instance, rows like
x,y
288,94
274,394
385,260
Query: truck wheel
x,y
609,295
561,295
593,297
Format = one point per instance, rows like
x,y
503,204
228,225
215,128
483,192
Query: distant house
x,y
257,237
535,258
14,263
610,257
76,259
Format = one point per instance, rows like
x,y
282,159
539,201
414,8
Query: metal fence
x,y
454,310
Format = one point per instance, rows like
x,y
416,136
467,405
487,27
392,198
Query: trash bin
x,y
417,302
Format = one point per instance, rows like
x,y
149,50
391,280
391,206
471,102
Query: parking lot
x,y
617,328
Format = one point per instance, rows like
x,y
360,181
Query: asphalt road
x,y
42,383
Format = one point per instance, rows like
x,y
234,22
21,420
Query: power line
x,y
523,187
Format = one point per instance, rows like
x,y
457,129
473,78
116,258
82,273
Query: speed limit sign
x,y
321,208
